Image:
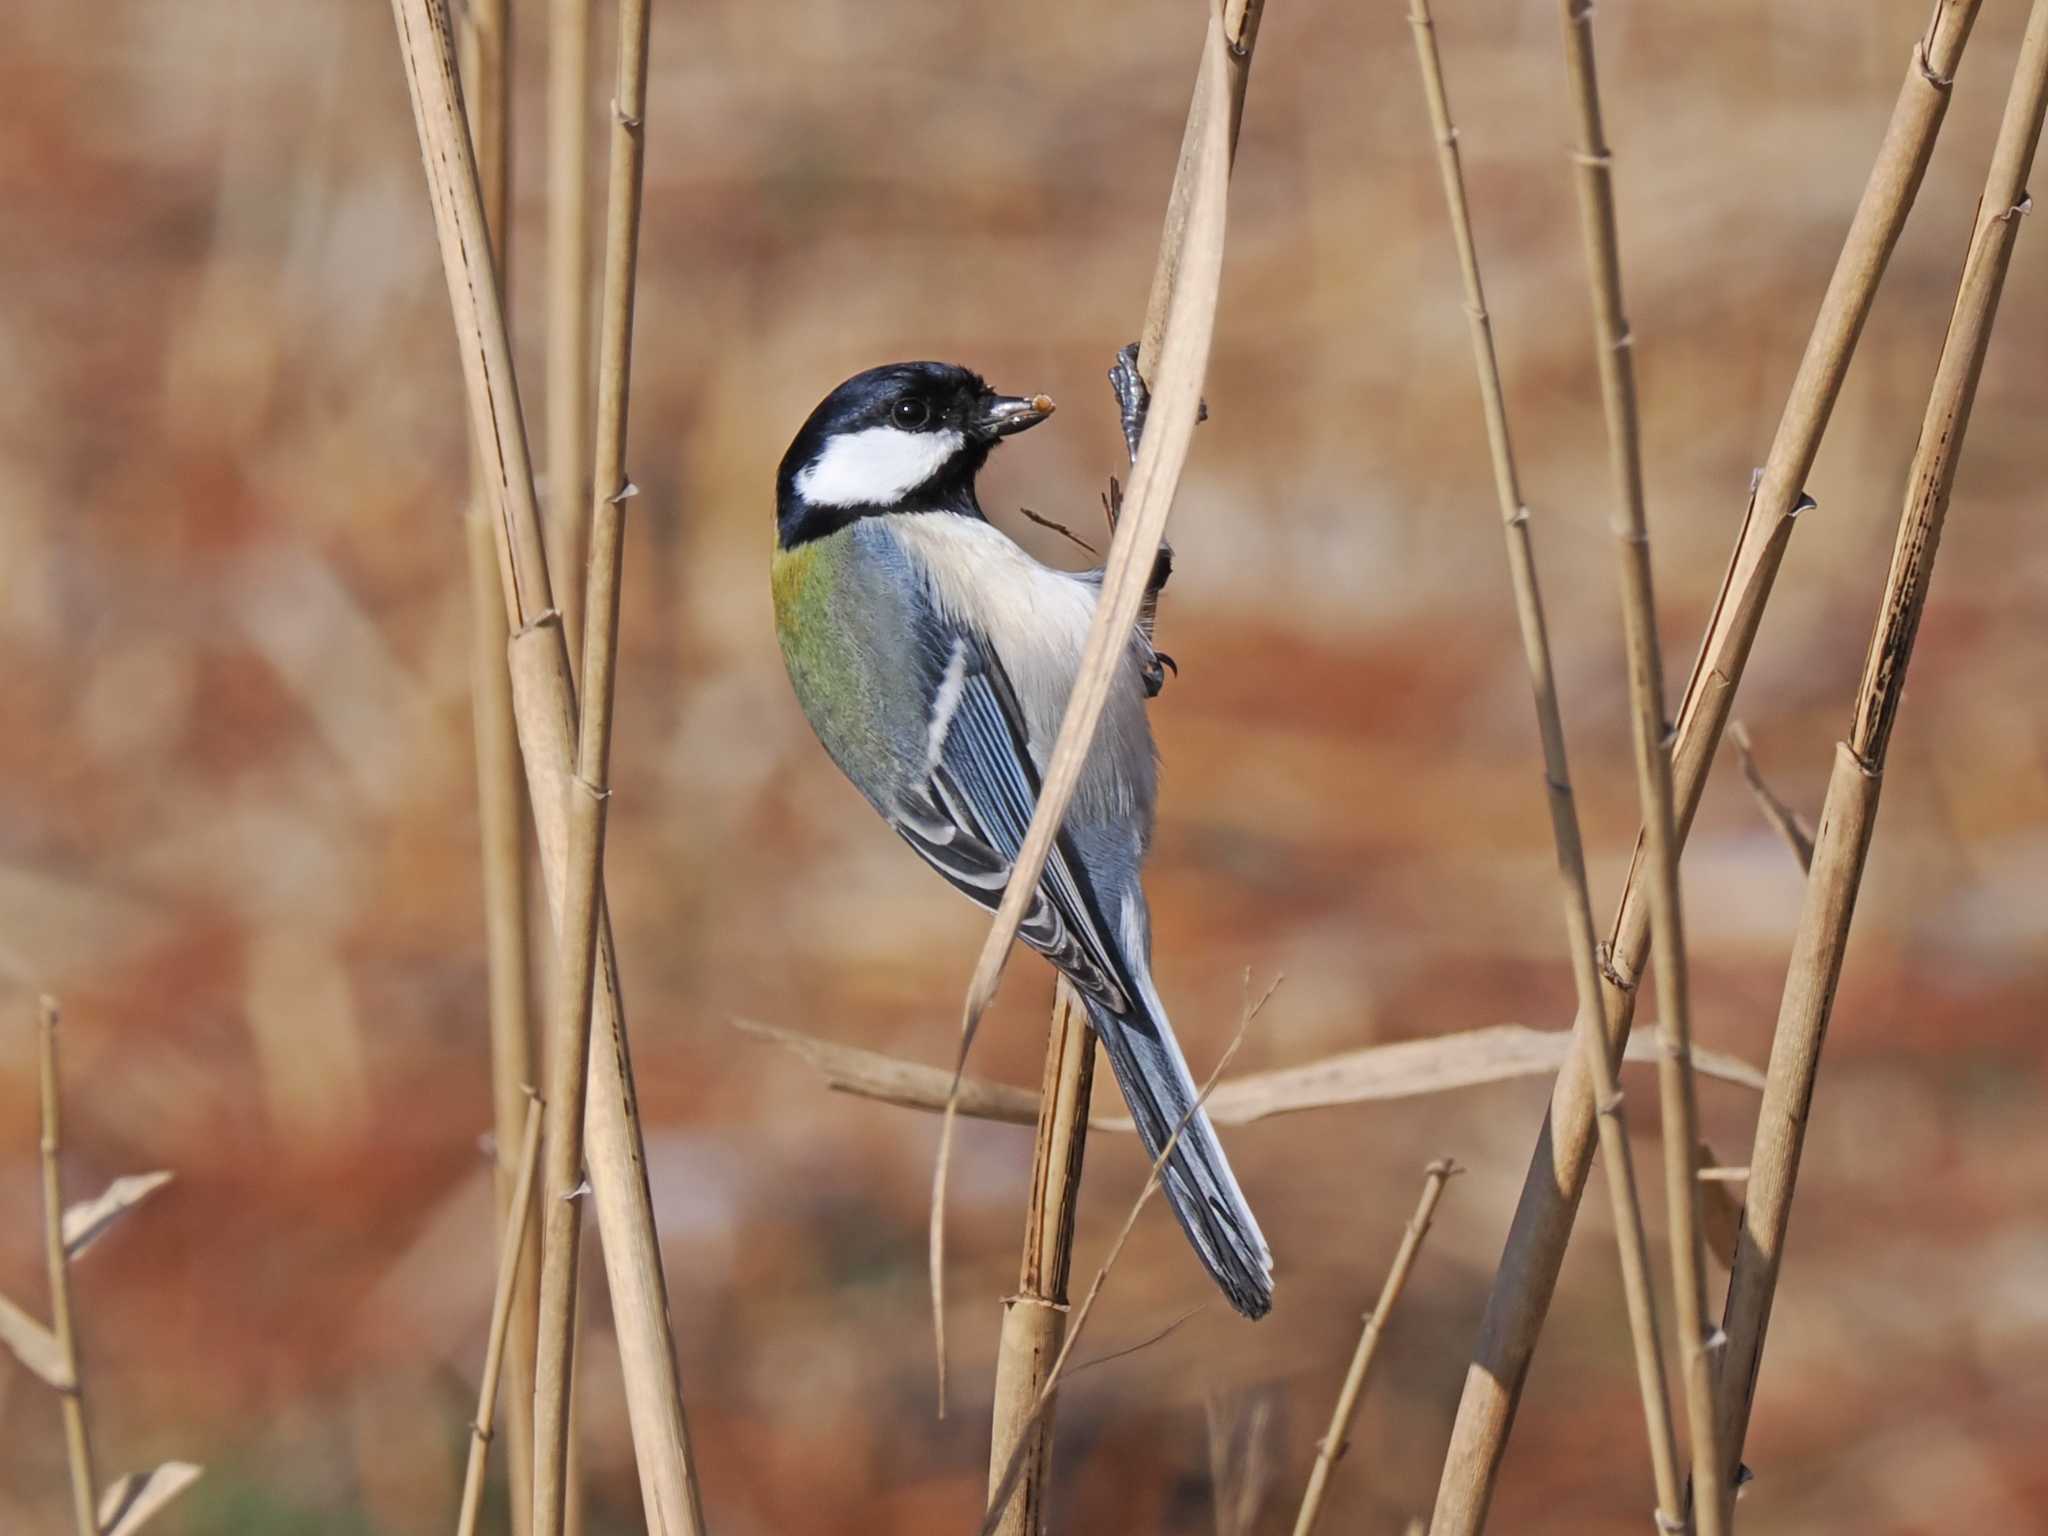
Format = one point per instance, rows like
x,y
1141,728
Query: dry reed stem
x,y
501,790
1849,814
501,819
1631,1241
511,1254
1004,1489
590,792
1541,1229
1035,1318
77,1439
1330,1449
568,317
1403,1069
544,706
1653,738
1169,433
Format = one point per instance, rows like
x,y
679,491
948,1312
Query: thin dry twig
x,y
77,1438
1541,1229
1632,1244
1405,1069
1330,1449
1169,433
544,707
511,1253
1784,820
1849,814
1006,1486
1653,740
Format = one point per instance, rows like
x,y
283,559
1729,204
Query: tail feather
x,y
1199,1185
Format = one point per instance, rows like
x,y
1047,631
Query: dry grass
x,y
1527,1277
543,701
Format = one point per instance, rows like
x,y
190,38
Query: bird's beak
x,y
1000,415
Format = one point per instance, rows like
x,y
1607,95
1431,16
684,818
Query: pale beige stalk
x,y
1631,1241
1330,1449
511,1257
1035,1318
1616,354
1005,1486
1534,1250
568,285
589,793
501,789
1241,38
77,1438
544,705
1849,813
1401,1069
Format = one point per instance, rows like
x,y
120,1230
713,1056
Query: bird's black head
x,y
904,437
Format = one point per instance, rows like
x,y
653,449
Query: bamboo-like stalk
x,y
1330,1450
1003,1489
511,1257
1849,814
1630,523
1035,1319
544,706
501,789
77,1438
1631,1242
589,792
568,321
1541,1228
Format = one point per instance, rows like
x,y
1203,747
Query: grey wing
x,y
968,815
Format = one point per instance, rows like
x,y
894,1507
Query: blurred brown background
x,y
237,830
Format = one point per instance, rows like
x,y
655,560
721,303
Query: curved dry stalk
x,y
1632,1244
511,1253
1169,432
1653,740
77,1438
1330,1449
1402,1069
1535,1247
1849,814
544,706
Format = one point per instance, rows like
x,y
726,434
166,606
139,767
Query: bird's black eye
x,y
911,413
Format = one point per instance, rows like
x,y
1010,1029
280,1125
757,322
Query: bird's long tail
x,y
1197,1179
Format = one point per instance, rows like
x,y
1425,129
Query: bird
x,y
933,657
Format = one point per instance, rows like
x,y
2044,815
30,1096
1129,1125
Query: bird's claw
x,y
1133,399
1155,673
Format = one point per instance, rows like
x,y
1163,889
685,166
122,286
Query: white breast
x,y
1037,618
875,467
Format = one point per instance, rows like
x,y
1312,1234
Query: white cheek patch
x,y
876,466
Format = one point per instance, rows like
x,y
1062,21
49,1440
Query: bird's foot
x,y
1134,398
